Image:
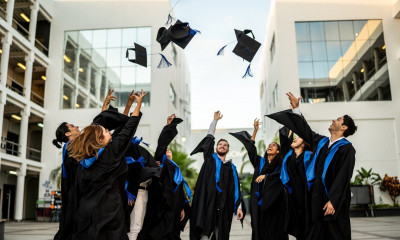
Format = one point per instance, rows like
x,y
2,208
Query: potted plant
x,y
391,185
362,190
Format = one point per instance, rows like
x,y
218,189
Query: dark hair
x,y
279,155
60,135
222,140
351,126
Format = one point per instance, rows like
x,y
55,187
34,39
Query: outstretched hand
x,y
256,124
170,118
131,98
108,99
294,101
139,96
218,115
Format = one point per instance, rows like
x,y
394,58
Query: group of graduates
x,y
113,188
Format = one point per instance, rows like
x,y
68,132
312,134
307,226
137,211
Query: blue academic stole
x,y
178,179
260,167
311,170
87,162
64,153
284,173
218,164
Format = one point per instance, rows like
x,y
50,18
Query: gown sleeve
x,y
168,133
285,140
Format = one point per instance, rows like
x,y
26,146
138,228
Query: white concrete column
x,y
2,103
28,75
87,84
345,91
5,55
376,59
365,67
74,100
19,193
355,81
380,94
23,132
10,11
33,22
97,83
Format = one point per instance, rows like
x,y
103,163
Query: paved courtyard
x,y
362,228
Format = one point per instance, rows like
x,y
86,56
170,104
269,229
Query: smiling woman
x,y
94,62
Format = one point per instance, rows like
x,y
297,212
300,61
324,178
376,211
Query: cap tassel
x,y
164,62
170,19
221,51
248,72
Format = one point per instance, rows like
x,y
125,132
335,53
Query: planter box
x,y
380,212
361,194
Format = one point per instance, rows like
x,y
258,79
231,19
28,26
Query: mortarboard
x,y
246,47
179,33
140,55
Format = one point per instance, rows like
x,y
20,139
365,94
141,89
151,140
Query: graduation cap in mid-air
x,y
246,47
141,57
179,33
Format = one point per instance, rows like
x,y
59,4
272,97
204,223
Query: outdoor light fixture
x,y
67,58
21,66
1,51
25,17
77,105
383,47
183,139
16,117
362,70
309,83
65,97
80,69
12,172
40,125
44,78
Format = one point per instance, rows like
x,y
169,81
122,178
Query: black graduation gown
x,y
66,228
164,223
337,181
100,190
269,220
212,209
299,200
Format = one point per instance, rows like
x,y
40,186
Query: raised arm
x,y
168,133
286,139
108,100
207,144
129,103
121,142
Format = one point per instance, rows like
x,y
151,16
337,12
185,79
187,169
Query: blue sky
x,y
217,82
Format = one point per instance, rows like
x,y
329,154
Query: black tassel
x,y
248,72
170,19
164,62
221,51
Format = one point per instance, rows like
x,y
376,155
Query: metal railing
x,y
10,147
33,154
36,98
21,29
3,13
41,47
16,86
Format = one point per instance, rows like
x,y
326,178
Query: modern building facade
x,y
342,57
58,61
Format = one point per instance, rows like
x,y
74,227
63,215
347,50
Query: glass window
x,y
342,61
94,62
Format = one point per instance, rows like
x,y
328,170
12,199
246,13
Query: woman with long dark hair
x,y
268,198
101,179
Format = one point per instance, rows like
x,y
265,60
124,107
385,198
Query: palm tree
x,y
55,176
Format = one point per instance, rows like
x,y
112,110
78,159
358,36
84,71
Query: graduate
x,y
268,198
66,133
101,179
171,209
329,172
217,193
293,176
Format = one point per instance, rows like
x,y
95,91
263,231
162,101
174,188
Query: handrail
x,y
33,150
4,143
19,25
36,98
16,89
33,154
41,44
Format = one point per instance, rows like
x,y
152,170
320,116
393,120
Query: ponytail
x,y
60,135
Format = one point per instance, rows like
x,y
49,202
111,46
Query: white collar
x,y
331,143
